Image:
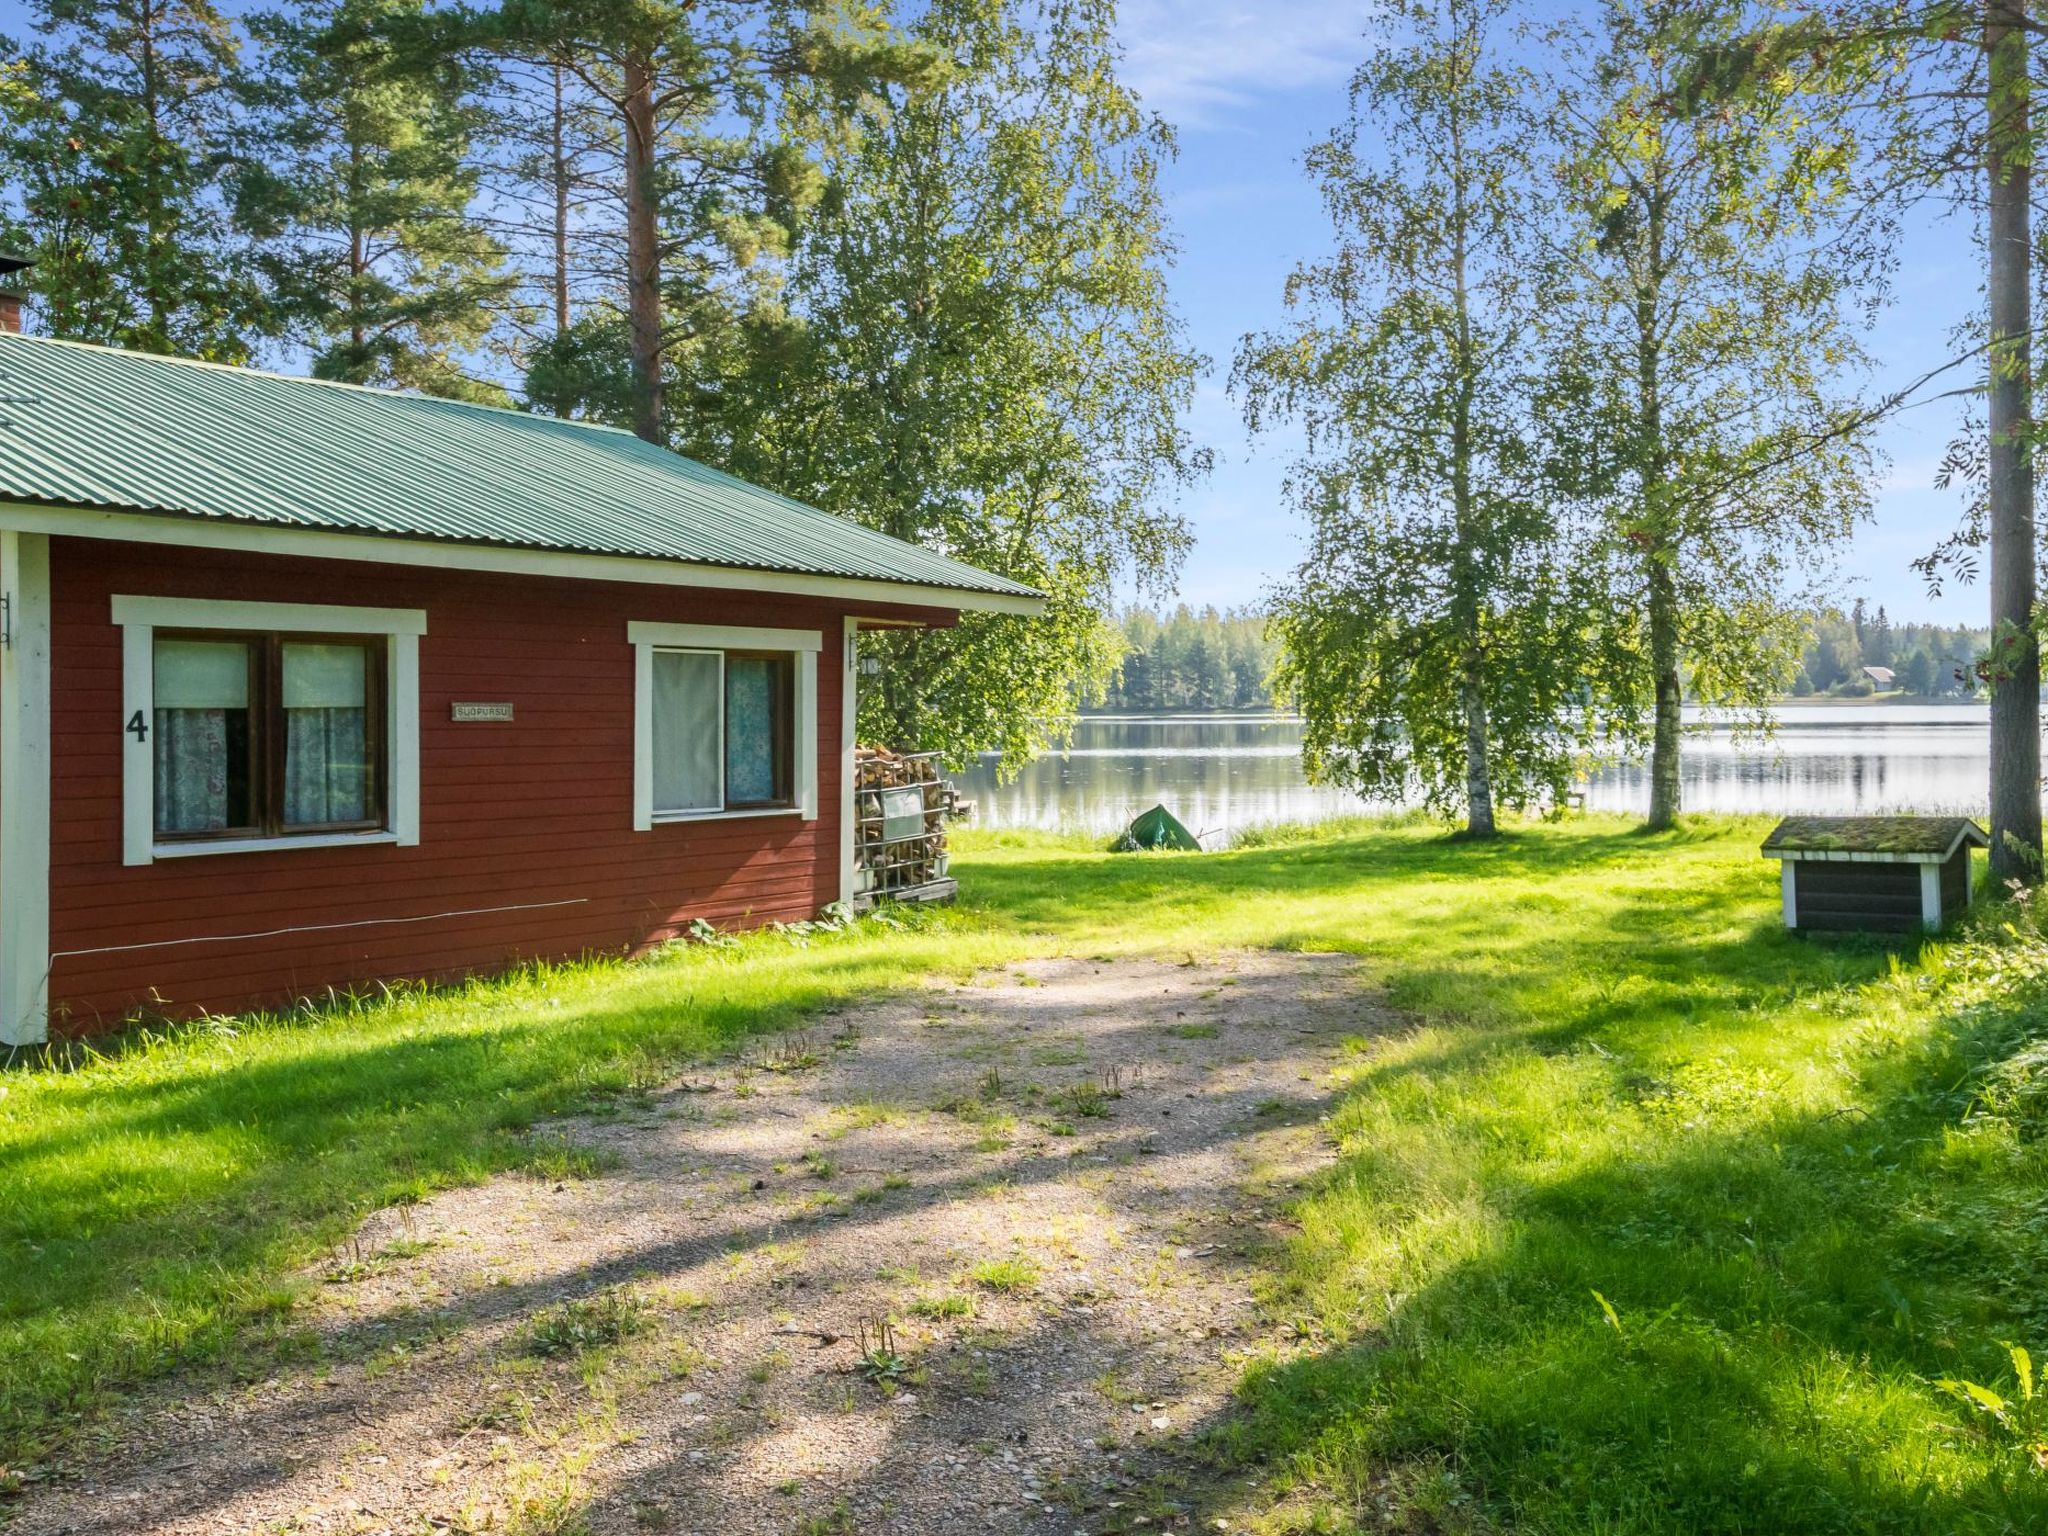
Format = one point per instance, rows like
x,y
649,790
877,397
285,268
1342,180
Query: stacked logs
x,y
903,863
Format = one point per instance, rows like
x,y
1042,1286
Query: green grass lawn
x,y
1658,1219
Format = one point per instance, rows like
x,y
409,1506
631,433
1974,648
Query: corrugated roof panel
x,y
94,427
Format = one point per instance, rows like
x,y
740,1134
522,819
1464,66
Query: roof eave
x,y
128,525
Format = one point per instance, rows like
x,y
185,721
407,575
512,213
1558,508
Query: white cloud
x,y
1194,60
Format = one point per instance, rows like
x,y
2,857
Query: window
x,y
266,735
267,725
727,722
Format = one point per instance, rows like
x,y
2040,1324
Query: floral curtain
x,y
202,735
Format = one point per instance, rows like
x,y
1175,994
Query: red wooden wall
x,y
538,810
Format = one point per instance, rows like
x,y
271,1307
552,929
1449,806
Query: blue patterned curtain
x,y
754,690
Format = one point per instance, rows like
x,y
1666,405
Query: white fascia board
x,y
1837,856
723,637
316,543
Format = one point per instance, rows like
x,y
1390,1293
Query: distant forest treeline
x,y
1193,659
1927,660
1206,658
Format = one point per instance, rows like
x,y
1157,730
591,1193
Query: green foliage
x,y
1930,660
380,264
1432,635
576,1327
120,154
979,355
1698,399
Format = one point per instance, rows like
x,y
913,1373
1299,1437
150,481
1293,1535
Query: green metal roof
x,y
88,426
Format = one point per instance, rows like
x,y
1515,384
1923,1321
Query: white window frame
x,y
802,644
140,618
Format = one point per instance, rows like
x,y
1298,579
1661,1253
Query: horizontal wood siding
x,y
535,814
1955,885
1856,897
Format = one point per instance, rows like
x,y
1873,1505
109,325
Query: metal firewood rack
x,y
901,802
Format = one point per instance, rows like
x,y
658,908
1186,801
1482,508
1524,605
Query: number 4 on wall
x,y
137,727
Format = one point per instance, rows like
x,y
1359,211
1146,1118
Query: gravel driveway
x,y
977,1259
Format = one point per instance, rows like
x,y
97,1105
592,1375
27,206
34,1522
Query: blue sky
x,y
1249,86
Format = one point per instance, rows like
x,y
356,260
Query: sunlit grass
x,y
1647,1216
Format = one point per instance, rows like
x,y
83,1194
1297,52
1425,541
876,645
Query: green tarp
x,y
1157,828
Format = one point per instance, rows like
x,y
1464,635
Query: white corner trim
x,y
433,554
303,618
643,735
141,617
1788,886
25,791
648,637
849,727
723,637
402,731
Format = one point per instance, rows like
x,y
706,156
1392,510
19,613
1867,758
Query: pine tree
x,y
381,267
123,147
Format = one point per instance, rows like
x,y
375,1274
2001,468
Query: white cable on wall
x,y
276,933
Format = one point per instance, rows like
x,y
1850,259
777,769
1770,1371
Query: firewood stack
x,y
899,850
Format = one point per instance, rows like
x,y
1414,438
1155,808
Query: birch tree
x,y
1709,329
1433,637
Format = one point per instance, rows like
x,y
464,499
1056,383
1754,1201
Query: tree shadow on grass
x,y
1786,1287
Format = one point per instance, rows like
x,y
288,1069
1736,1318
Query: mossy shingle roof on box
x,y
1903,836
86,426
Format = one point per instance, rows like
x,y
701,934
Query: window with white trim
x,y
726,721
249,726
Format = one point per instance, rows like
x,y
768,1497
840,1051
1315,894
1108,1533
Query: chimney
x,y
13,292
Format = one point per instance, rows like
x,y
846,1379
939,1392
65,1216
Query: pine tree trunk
x,y
2016,681
156,213
643,252
1664,742
560,165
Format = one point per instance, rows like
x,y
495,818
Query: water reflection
x,y
1221,772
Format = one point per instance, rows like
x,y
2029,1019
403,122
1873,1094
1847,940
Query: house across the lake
x,y
305,686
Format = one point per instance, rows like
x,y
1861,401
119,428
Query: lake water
x,y
1218,773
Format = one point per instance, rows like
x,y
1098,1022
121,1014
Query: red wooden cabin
x,y
305,686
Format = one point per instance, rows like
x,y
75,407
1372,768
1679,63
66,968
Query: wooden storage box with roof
x,y
1885,874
